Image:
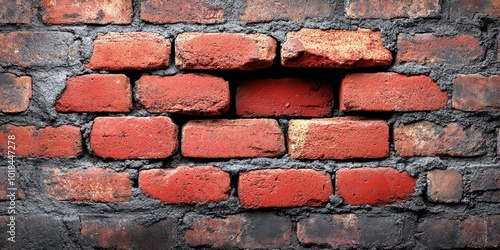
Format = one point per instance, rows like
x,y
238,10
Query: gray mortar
x,y
48,84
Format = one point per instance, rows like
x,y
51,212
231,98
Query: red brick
x,y
476,93
288,96
194,94
232,138
374,186
485,185
45,49
249,231
15,11
224,51
264,11
334,49
181,11
185,185
130,51
96,93
134,137
444,185
432,50
492,229
89,12
386,9
469,8
284,188
390,92
338,138
429,139
15,93
126,232
49,142
86,184
473,232
437,233
9,182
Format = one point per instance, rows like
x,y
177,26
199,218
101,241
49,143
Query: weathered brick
x,y
284,188
485,185
492,229
473,232
374,186
436,233
49,142
96,93
392,8
334,49
253,230
469,8
476,93
15,93
432,50
338,138
9,183
429,139
216,138
390,92
129,51
45,49
264,11
88,12
194,94
181,11
444,185
185,185
224,51
86,184
288,96
125,232
15,11
134,137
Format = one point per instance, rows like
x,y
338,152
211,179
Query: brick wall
x,y
150,124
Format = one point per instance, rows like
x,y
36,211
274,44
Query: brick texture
x,y
15,11
334,49
89,12
444,185
390,92
485,185
185,185
469,8
215,138
338,138
96,93
181,11
134,137
91,184
224,51
284,188
476,93
392,8
193,94
284,97
15,93
264,11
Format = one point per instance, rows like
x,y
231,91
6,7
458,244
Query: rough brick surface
x,y
476,93
334,49
392,8
15,93
185,185
30,49
390,92
284,188
444,185
373,186
485,185
194,94
265,11
134,137
429,139
437,233
90,11
130,51
49,142
15,11
9,183
253,230
181,11
224,51
91,184
125,232
96,93
470,8
338,138
287,96
432,50
216,138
